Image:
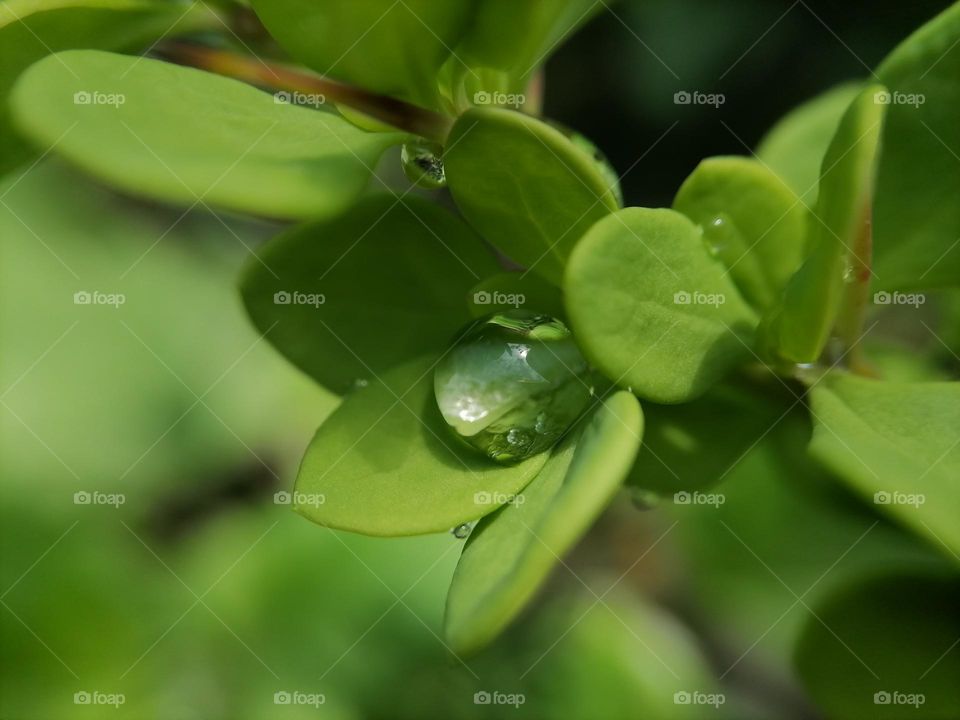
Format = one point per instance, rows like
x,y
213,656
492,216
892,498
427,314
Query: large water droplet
x,y
423,164
512,385
460,532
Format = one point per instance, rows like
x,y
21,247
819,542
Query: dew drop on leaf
x,y
644,499
849,272
423,164
460,532
512,385
716,234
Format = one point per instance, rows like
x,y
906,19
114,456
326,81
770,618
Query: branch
x,y
396,113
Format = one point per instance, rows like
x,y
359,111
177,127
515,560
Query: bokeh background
x,y
202,595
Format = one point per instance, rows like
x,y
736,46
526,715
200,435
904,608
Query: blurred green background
x,y
202,595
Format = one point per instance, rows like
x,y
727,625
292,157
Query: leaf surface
x,y
897,446
29,30
385,463
185,136
917,219
524,186
873,647
652,309
511,552
348,298
394,48
753,222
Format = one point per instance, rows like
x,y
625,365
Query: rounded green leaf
x,y
186,136
751,220
917,219
510,553
524,186
798,329
795,146
884,649
30,30
385,463
350,297
895,444
652,309
388,46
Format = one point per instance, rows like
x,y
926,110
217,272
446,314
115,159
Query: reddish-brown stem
x,y
396,113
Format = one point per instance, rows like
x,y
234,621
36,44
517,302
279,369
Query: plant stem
x,y
396,113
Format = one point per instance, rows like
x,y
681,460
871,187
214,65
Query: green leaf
x,y
652,309
753,222
799,328
896,445
524,186
350,297
695,445
517,38
882,649
510,553
385,463
624,657
795,146
183,135
917,218
395,48
512,290
780,510
30,30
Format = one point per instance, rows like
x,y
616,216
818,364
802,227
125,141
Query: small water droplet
x,y
644,499
423,164
360,383
849,272
716,234
512,385
460,532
